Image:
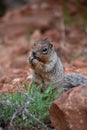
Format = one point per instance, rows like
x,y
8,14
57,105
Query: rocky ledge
x,y
69,112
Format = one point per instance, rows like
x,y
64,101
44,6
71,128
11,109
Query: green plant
x,y
27,109
67,17
85,12
28,33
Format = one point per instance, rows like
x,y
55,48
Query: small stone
x,y
1,128
29,77
44,5
16,80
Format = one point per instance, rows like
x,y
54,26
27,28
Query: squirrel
x,y
48,69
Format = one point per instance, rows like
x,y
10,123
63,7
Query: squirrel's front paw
x,y
31,59
35,61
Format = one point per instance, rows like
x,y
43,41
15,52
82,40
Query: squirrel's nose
x,y
34,53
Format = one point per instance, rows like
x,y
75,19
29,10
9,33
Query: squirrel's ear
x,y
45,39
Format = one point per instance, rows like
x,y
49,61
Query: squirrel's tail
x,y
73,80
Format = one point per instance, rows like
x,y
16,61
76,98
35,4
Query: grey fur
x,y
52,73
73,80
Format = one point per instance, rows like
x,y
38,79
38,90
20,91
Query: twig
x,y
19,111
5,103
36,119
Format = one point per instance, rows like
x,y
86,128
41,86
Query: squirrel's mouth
x,y
36,57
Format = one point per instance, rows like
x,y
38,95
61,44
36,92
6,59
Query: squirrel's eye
x,y
44,50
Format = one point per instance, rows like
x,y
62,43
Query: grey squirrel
x,y
48,69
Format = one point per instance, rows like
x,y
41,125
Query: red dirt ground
x,y
19,28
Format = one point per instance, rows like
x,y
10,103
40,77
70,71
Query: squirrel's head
x,y
42,50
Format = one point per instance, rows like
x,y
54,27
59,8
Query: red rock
x,y
20,24
79,63
72,8
69,112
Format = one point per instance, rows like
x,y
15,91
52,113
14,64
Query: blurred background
x,y
64,22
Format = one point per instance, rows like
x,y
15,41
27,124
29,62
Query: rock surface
x,y
69,112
